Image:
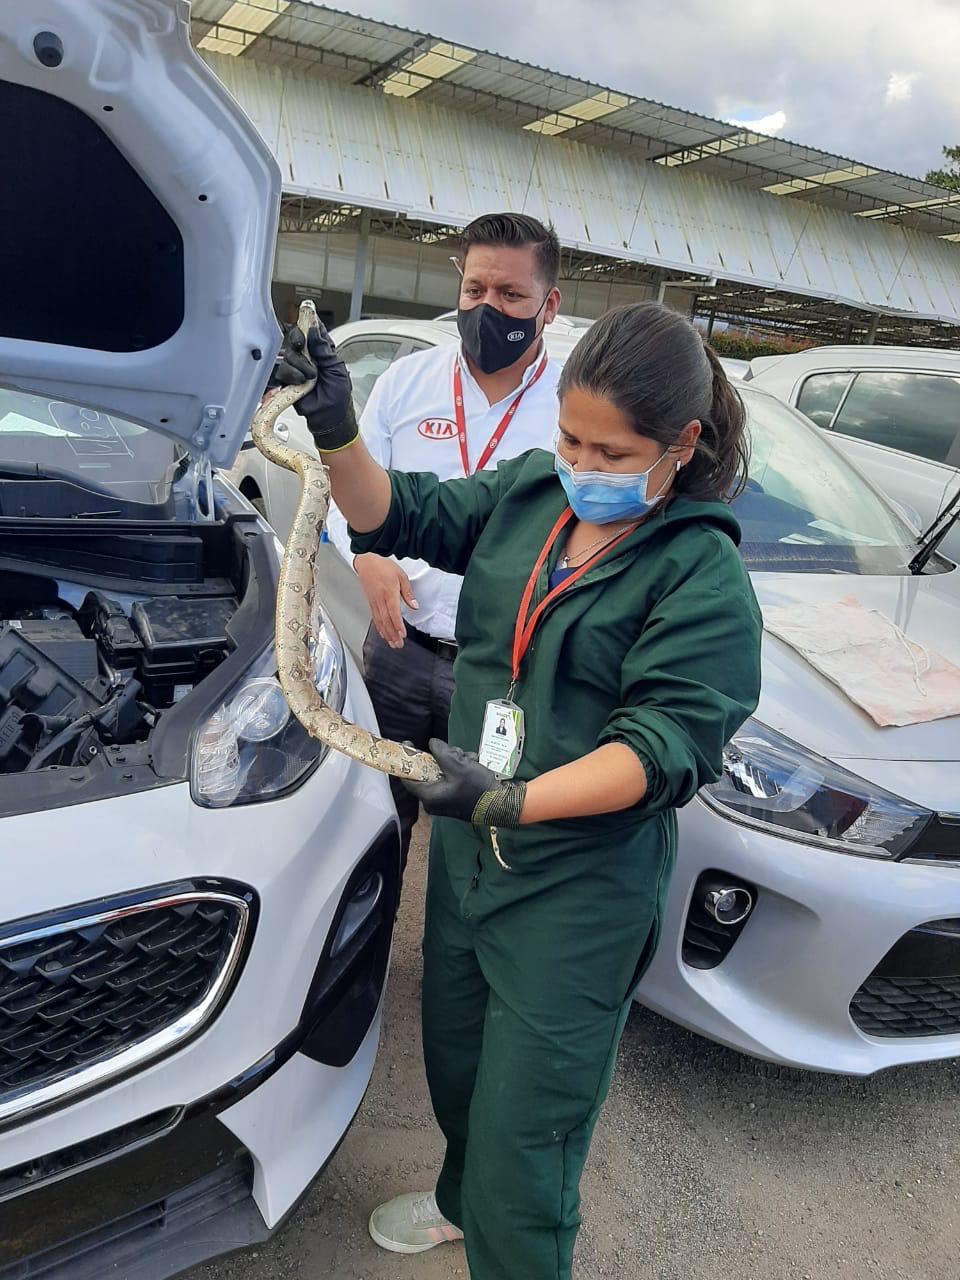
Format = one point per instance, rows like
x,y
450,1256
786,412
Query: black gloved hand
x,y
328,408
469,790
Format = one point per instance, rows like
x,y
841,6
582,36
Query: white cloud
x,y
900,86
775,122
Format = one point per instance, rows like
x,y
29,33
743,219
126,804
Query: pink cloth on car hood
x,y
893,678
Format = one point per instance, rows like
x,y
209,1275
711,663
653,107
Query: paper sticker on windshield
x,y
849,535
87,431
20,423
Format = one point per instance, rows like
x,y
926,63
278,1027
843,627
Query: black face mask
x,y
495,341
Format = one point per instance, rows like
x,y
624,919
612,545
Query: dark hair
x,y
516,230
653,365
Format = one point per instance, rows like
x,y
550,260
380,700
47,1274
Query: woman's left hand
x,y
469,790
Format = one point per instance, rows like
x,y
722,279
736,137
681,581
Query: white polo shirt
x,y
408,424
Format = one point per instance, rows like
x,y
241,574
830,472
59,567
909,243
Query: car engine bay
x,y
111,645
74,682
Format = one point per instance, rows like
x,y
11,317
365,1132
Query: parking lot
x,y
706,1165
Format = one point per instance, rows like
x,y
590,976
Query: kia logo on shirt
x,y
516,335
437,429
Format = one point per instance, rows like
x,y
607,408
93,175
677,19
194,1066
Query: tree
x,y
950,176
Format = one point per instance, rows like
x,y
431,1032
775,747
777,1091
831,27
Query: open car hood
x,y
138,219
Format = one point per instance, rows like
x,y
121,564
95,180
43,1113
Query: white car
x,y
198,900
837,842
894,411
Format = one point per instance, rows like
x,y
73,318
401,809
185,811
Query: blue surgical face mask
x,y
605,497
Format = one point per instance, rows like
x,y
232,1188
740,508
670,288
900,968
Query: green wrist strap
x,y
501,806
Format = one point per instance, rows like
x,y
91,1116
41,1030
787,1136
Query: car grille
x,y
915,990
89,995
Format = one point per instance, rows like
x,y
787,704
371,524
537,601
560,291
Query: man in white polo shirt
x,y
453,410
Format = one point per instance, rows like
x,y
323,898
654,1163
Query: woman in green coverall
x,y
546,890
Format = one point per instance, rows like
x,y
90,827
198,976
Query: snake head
x,y
307,317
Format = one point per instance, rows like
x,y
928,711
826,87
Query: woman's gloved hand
x,y
469,790
328,408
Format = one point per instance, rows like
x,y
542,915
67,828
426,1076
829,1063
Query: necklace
x,y
600,542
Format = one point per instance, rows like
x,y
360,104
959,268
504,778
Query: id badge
x,y
501,739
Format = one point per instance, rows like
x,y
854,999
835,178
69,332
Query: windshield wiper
x,y
11,469
931,538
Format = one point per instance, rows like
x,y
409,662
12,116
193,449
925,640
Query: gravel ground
x,y
705,1164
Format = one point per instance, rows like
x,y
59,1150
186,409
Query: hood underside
x,y
138,216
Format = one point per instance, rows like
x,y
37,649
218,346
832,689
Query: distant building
x,y
389,140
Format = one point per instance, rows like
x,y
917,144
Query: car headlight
x,y
776,785
253,747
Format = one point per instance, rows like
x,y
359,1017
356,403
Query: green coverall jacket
x,y
656,647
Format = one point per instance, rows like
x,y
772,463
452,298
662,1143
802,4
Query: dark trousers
x,y
410,689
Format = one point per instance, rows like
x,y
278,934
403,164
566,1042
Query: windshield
x,y
806,509
62,460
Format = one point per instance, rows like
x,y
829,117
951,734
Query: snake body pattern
x,y
298,605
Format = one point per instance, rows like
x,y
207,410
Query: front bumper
x,y
823,922
181,1188
287,1057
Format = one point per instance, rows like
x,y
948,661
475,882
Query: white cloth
x,y
894,679
408,424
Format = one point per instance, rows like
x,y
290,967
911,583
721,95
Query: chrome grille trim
x,y
29,1101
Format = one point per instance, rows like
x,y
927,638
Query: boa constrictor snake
x,y
298,606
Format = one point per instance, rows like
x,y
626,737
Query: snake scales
x,y
298,607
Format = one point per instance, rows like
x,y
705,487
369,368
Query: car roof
x,y
561,336
425,330
862,357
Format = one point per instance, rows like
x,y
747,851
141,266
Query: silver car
x,y
814,915
894,411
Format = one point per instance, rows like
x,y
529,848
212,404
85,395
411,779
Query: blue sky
x,y
875,80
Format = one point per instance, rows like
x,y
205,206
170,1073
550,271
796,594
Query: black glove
x,y
328,408
469,790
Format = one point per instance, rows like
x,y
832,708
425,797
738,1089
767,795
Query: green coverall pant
x,y
524,1004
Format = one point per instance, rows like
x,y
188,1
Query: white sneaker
x,y
412,1224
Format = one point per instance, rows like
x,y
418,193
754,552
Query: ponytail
x,y
718,468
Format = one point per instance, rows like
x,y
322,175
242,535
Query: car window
x,y
366,359
820,395
916,412
806,509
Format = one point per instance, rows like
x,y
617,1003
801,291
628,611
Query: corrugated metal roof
x,y
339,142
343,46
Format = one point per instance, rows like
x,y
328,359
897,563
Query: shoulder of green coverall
x,y
657,647
440,521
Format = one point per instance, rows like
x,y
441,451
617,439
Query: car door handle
x,y
281,431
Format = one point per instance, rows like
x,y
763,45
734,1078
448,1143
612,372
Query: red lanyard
x,y
502,425
525,626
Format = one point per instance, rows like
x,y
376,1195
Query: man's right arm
x,y
383,581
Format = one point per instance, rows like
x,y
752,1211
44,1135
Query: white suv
x,y
198,900
895,412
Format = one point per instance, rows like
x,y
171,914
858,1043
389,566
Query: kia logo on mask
x,y
437,429
516,335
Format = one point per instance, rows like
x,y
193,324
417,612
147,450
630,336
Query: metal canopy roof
x,y
343,143
341,46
